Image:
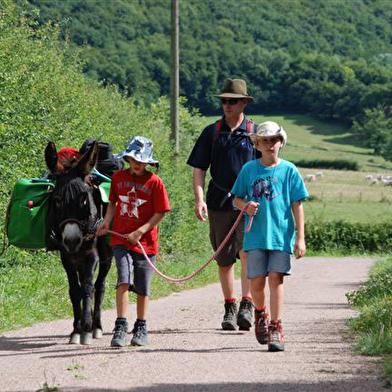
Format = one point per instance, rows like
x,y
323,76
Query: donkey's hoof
x,y
74,338
97,333
86,338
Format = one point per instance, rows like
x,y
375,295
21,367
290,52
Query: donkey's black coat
x,y
75,212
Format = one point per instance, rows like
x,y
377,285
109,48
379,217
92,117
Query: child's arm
x,y
105,225
135,236
250,210
299,216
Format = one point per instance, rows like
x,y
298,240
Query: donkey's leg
x,y
87,278
100,286
75,294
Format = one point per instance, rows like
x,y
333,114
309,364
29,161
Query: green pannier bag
x,y
27,212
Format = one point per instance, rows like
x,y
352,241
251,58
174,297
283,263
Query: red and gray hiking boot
x,y
261,326
275,336
229,319
245,314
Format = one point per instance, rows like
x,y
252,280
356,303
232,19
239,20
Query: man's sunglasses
x,y
230,101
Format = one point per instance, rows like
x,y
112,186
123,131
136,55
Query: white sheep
x,y
380,177
387,182
374,181
310,178
320,174
369,177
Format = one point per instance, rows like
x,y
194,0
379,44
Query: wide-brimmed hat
x,y
140,149
269,129
235,88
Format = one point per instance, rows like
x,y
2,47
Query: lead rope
x,y
181,280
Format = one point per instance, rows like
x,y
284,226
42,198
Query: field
x,y
339,194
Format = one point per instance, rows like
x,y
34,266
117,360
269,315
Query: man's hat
x,y
235,88
269,129
140,149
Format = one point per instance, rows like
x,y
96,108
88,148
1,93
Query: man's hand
x,y
201,211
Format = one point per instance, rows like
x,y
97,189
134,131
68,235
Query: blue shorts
x,y
261,262
129,262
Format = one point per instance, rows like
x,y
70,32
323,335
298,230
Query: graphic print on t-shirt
x,y
264,187
130,203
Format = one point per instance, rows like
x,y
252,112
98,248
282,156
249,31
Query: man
x,y
224,147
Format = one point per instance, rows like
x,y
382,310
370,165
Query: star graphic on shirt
x,y
131,200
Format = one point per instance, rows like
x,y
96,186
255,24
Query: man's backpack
x,y
107,163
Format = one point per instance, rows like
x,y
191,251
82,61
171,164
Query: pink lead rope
x,y
181,280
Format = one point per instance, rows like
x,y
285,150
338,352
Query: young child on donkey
x,y
138,201
274,189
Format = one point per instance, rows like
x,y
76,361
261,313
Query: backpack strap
x,y
217,128
218,125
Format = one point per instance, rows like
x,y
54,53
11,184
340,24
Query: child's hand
x,y
102,229
299,248
134,237
252,208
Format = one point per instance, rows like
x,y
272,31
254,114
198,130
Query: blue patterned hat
x,y
140,149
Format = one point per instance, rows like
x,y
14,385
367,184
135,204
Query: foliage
x,y
331,59
348,237
336,164
373,326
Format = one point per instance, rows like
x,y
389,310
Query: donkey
x,y
74,216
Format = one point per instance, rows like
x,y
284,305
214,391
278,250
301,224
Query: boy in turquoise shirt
x,y
274,189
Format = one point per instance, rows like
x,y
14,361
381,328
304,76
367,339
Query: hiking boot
x,y
244,317
261,326
120,333
140,334
229,319
275,336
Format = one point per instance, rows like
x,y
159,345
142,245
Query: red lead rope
x,y
180,280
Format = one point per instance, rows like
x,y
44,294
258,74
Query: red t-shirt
x,y
137,198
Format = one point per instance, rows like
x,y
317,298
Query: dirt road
x,y
188,351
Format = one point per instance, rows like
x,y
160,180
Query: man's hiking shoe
x,y
261,326
275,336
244,317
140,334
229,319
120,333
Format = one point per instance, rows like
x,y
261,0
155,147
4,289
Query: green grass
x,y
372,328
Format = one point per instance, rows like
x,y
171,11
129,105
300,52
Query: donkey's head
x,y
74,214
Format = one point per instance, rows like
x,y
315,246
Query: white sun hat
x,y
269,129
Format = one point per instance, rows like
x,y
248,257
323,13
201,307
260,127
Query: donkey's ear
x,y
51,157
88,161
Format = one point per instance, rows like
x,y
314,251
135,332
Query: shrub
x,y
337,164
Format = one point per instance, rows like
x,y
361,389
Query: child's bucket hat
x,y
269,129
140,149
235,88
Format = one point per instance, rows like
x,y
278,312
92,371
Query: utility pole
x,y
174,77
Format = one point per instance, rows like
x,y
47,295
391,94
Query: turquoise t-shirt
x,y
275,188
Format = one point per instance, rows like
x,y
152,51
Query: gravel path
x,y
188,351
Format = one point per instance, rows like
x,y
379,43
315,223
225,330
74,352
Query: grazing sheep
x,y
369,177
310,178
374,181
319,174
380,177
387,182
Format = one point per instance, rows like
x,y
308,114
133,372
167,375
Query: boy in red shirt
x,y
138,201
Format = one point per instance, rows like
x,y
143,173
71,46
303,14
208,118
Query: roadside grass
x,y
372,328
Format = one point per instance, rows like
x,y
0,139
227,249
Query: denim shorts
x,y
128,263
261,262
